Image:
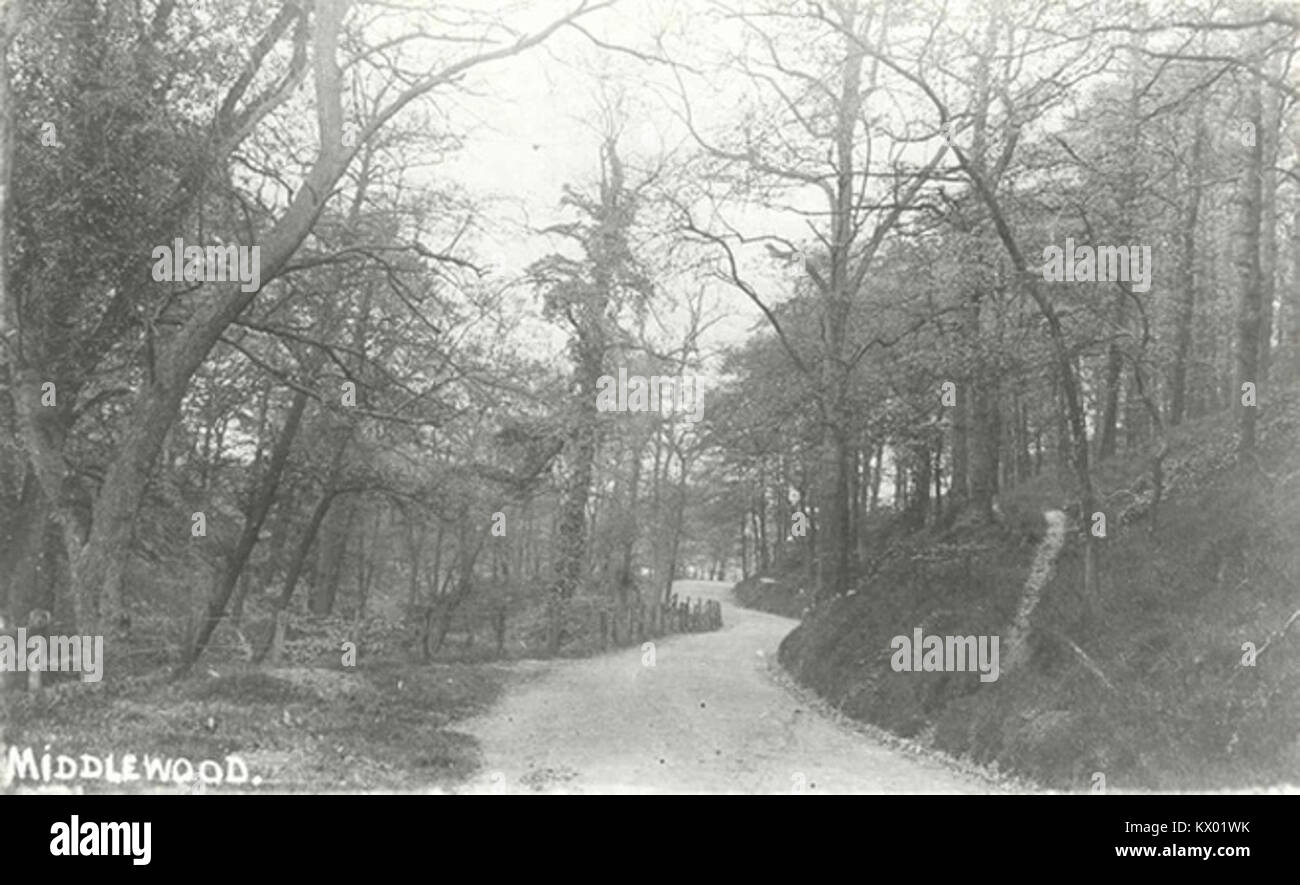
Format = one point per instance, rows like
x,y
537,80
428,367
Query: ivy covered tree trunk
x,y
587,295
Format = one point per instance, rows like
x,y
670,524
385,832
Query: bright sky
x,y
533,125
538,127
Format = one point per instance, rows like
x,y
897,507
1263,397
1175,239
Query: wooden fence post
x,y
277,638
554,612
500,624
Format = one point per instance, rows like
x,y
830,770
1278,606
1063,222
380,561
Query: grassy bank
x,y
298,729
783,595
1145,685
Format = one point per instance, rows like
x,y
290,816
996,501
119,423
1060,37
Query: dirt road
x,y
708,717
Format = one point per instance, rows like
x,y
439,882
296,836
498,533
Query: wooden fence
x,y
590,623
636,622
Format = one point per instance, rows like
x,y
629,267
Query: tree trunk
x,y
1128,189
1268,144
1249,274
1186,281
984,466
626,579
99,568
330,553
1293,306
255,514
958,490
921,504
744,558
1114,380
878,472
296,568
679,519
415,546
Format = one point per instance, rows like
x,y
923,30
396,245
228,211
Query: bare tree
x,y
814,137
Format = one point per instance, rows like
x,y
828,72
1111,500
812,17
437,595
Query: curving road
x,y
706,718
